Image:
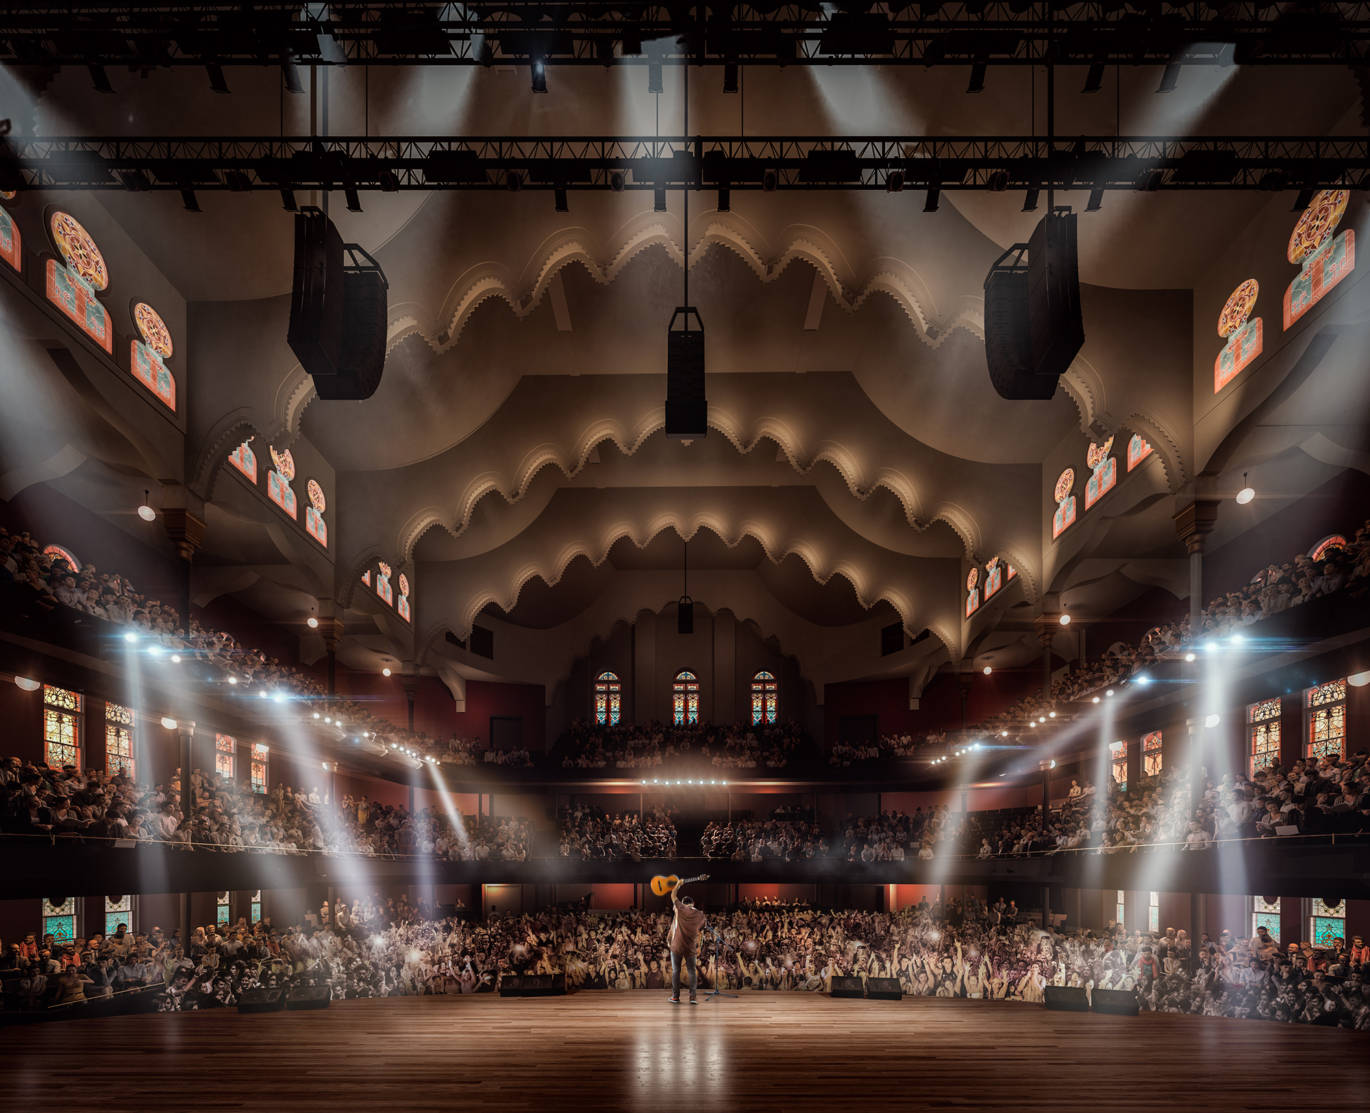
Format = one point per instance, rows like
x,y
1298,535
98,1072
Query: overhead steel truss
x,y
698,162
402,32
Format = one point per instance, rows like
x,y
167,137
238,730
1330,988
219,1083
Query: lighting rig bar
x,y
887,163
401,32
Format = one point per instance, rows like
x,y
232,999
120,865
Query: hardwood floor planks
x,y
637,1051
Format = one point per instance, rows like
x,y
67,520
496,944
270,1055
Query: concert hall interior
x,y
720,556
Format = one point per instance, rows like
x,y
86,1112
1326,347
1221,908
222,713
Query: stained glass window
x,y
56,552
384,590
994,577
261,756
72,285
221,908
685,698
402,603
279,480
1326,705
1065,503
257,906
1120,907
11,242
148,356
1328,922
1103,471
226,756
314,523
1317,552
1153,912
1117,756
119,726
972,592
765,698
118,910
59,919
1263,716
61,727
1243,336
245,460
1138,449
1153,756
608,699
1265,912
1323,258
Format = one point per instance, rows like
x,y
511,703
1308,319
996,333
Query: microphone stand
x,y
718,971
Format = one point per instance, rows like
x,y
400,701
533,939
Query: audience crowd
x,y
681,749
590,832
227,815
966,950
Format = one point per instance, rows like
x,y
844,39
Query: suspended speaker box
x,y
687,410
308,997
1033,322
847,987
1119,1002
884,989
1067,998
685,616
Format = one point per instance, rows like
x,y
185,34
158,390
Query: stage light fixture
x,y
215,72
539,77
1064,620
169,722
1109,692
1212,721
145,510
1210,646
99,79
385,671
725,200
154,650
987,670
730,77
1094,79
1030,200
130,636
233,680
290,74
1236,640
1095,202
559,200
1094,700
1051,715
770,179
1247,493
262,693
1003,734
189,201
654,83
28,684
1143,679
288,201
354,202
1051,764
1189,657
998,180
389,182
1170,76
312,622
659,199
934,198
977,78
616,180
894,182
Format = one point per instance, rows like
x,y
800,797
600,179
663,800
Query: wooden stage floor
x,y
781,1051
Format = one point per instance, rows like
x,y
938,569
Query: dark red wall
x,y
939,707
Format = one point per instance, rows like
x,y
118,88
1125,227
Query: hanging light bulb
x,y
145,510
1247,493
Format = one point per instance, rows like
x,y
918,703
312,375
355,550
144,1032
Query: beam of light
x,y
449,807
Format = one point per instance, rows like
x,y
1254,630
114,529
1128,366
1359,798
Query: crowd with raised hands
x,y
690,748
590,832
69,802
957,950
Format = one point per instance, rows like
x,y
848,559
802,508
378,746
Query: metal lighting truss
x,y
698,162
403,32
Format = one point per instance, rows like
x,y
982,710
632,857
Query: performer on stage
x,y
684,937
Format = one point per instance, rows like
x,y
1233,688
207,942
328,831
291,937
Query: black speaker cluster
x,y
1033,322
338,304
687,410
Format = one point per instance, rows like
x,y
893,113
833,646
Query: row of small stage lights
x,y
684,781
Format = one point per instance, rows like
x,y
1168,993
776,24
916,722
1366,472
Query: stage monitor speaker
x,y
1068,998
1055,325
847,987
1119,1002
884,989
533,985
687,409
685,616
308,997
317,314
261,1001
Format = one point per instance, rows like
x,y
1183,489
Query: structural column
x,y
1193,524
332,630
187,533
185,736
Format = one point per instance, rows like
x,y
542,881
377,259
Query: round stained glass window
x,y
1064,484
1238,308
1317,223
155,333
78,249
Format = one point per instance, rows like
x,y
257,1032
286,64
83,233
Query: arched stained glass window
x,y
1138,449
1243,336
118,910
384,591
226,756
1153,753
148,356
11,242
1327,922
994,577
279,479
56,552
608,699
314,523
1317,552
1263,719
1117,760
221,908
402,603
685,698
1065,503
1103,471
1265,912
972,592
72,285
1323,258
59,918
1326,705
245,460
119,744
765,698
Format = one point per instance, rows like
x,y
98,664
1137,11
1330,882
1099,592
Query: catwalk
x,y
636,1051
